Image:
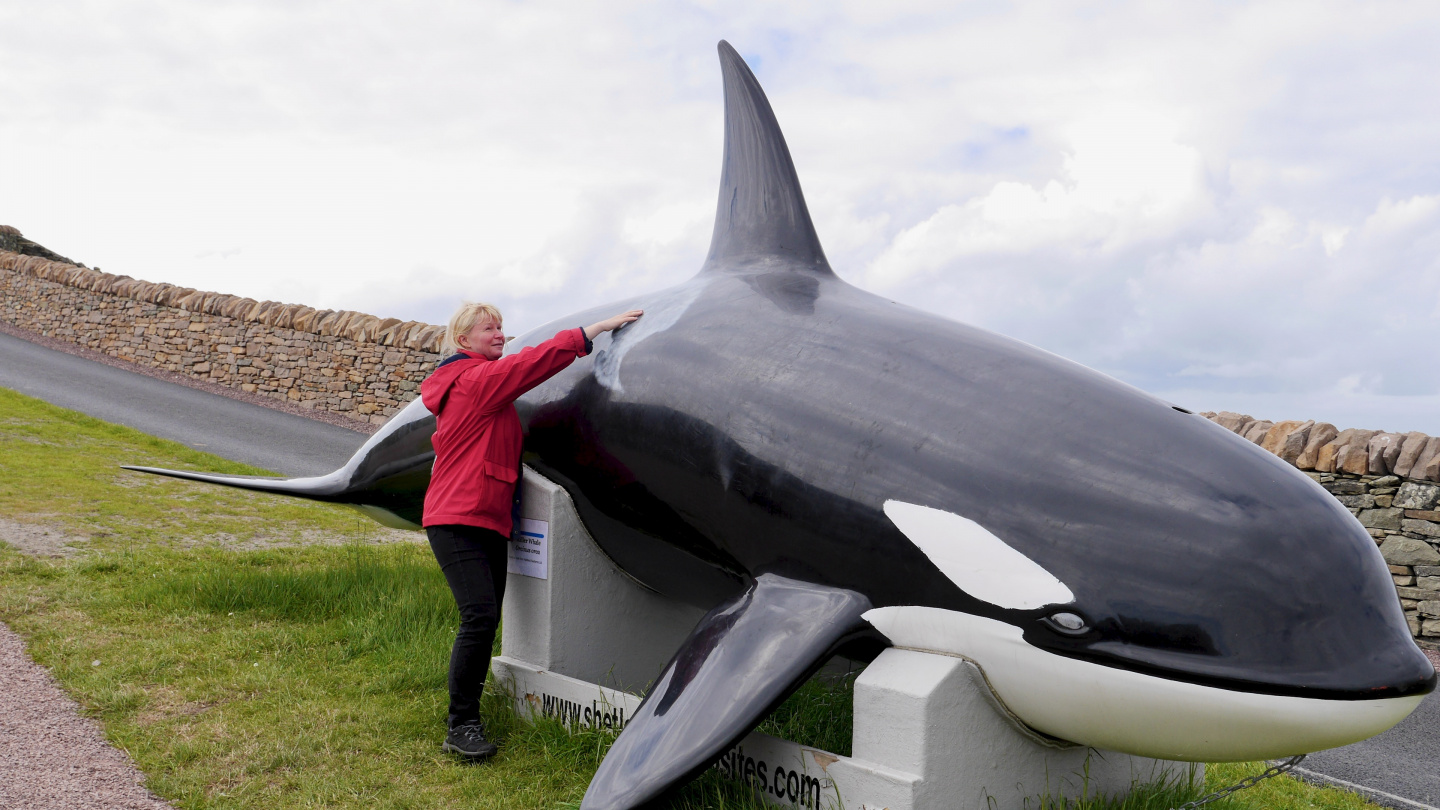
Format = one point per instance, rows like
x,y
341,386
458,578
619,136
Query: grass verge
x,y
280,677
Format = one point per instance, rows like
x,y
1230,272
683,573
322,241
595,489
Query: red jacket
x,y
477,432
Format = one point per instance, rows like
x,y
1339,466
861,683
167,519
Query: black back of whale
x,y
758,417
764,431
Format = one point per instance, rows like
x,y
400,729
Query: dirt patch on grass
x,y
307,537
44,540
39,540
165,705
52,757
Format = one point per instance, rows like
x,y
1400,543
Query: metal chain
x,y
1247,782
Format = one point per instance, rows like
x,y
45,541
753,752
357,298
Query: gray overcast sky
x,y
1231,205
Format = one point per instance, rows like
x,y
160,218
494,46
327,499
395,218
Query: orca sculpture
x,y
823,467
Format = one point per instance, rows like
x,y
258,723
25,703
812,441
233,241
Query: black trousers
x,y
473,561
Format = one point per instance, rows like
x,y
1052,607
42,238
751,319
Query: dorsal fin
x,y
761,216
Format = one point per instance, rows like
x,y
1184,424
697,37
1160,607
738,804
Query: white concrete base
x,y
927,737
929,733
933,718
588,620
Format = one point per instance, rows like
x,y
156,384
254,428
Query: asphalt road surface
x,y
269,439
1400,768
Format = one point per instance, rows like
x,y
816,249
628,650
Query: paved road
x,y
1400,768
269,439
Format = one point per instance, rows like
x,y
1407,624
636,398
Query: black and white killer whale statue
x,y
824,469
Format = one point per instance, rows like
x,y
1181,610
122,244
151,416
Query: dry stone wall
x,y
346,362
367,368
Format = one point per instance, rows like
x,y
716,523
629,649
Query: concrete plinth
x,y
580,645
933,719
587,620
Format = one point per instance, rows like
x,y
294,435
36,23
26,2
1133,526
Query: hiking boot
x,y
469,741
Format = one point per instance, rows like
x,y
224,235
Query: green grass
x,y
62,469
293,676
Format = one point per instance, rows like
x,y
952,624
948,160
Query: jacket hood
x,y
436,388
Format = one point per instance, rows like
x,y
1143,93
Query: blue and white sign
x,y
530,549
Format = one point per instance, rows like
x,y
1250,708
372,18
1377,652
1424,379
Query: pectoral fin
x,y
742,660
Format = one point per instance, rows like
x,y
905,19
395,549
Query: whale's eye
x,y
1068,623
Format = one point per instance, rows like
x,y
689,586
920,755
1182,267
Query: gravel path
x,y
51,758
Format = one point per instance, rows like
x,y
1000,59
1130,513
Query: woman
x,y
477,464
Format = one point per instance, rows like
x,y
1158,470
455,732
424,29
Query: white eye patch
x,y
976,560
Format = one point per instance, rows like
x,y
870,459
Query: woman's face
x,y
484,338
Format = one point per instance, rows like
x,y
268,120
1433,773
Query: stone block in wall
x,y
1356,501
1354,456
1382,519
1400,550
1351,458
1427,570
1410,451
1321,434
1294,442
1429,609
1412,618
1423,514
1415,594
1417,496
1432,470
1274,438
1430,456
1256,432
1233,421
1327,457
1382,451
286,316
1421,527
1428,583
305,317
1346,486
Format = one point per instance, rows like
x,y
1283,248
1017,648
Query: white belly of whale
x,y
1132,712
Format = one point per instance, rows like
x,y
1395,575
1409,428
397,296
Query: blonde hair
x,y
464,319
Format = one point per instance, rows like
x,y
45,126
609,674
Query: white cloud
x,y
1123,179
1240,201
1392,218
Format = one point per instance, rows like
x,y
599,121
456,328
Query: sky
x,y
1233,206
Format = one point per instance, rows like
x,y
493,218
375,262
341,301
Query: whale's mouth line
x,y
1248,685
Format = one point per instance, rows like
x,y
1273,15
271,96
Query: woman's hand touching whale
x,y
593,330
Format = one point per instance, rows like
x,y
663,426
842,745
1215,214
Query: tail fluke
x,y
386,478
320,488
